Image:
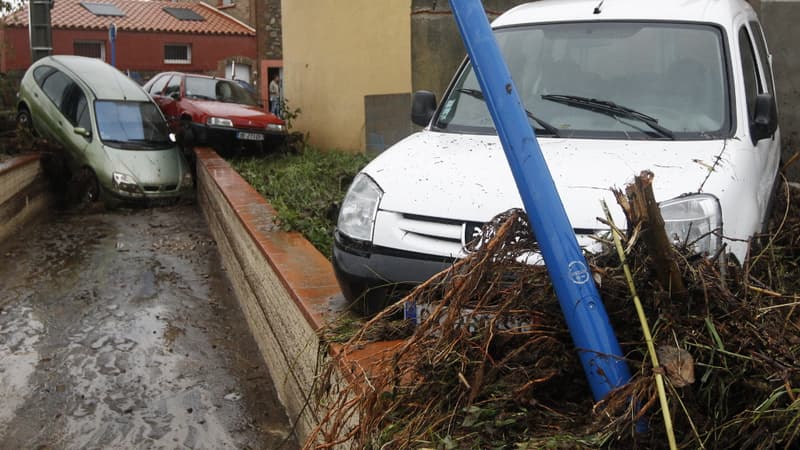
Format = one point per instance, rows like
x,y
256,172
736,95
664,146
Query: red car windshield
x,y
215,89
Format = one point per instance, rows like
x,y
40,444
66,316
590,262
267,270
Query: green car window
x,y
41,72
75,107
55,85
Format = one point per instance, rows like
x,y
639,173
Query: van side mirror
x,y
423,105
175,96
82,132
765,122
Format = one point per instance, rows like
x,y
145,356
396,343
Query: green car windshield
x,y
131,125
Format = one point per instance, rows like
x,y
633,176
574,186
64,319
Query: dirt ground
x,y
119,329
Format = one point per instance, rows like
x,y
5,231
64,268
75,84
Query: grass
x,y
306,188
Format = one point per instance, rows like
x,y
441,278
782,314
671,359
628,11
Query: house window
x,y
103,9
91,49
223,3
178,54
184,14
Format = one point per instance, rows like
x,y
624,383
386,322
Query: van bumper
x,y
378,276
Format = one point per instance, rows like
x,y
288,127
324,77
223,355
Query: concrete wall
x,y
286,289
436,46
337,52
283,284
23,193
780,19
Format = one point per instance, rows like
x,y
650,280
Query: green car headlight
x,y
187,180
695,221
125,183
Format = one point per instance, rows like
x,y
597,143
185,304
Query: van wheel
x,y
375,299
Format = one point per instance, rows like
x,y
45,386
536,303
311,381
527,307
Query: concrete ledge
x,y
23,193
283,284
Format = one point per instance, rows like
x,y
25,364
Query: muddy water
x,y
118,329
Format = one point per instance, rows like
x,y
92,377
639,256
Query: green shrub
x,y
306,188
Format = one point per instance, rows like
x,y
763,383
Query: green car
x,y
114,135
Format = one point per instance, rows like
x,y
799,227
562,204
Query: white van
x,y
681,88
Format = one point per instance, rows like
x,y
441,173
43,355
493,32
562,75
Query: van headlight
x,y
123,182
694,220
360,205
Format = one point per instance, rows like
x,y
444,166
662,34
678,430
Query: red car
x,y
214,111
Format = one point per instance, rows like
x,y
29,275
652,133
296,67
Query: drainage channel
x,y
120,329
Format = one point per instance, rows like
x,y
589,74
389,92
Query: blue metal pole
x,y
112,37
580,301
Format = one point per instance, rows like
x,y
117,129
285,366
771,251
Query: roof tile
x,y
140,15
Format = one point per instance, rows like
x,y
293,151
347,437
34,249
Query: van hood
x,y
148,167
467,177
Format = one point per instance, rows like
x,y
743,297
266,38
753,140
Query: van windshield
x,y
131,125
615,80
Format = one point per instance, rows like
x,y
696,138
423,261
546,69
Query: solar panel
x,y
103,9
184,14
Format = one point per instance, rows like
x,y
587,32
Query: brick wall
x,y
138,51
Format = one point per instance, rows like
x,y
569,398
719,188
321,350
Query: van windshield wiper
x,y
550,129
611,109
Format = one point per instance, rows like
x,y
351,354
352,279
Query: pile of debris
x,y
493,364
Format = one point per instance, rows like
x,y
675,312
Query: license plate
x,y
249,136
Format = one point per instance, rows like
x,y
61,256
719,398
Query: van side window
x,y
55,85
752,82
763,56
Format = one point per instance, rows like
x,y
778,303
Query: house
x,y
265,17
351,66
151,37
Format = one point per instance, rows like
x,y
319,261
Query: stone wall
x,y
269,31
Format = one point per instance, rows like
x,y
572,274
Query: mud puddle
x,y
119,329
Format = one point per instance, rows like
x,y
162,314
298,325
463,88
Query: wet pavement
x,y
119,329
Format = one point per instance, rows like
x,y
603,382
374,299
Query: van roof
x,y
104,80
709,11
